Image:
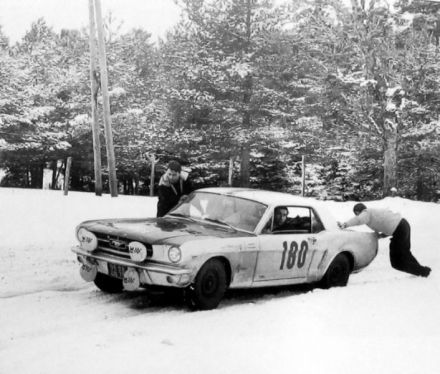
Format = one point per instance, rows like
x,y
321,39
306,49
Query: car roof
x,y
262,196
272,198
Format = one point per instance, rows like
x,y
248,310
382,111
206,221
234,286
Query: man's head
x,y
173,171
359,208
280,215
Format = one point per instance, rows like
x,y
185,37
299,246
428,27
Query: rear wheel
x,y
209,286
108,284
338,272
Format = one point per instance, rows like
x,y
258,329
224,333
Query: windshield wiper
x,y
213,220
180,215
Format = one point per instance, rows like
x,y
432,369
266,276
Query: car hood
x,y
161,230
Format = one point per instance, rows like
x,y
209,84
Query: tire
x,y
108,284
209,286
337,273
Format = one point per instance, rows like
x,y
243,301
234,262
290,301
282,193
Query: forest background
x,y
353,87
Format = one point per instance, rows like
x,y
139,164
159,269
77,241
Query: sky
x,y
155,16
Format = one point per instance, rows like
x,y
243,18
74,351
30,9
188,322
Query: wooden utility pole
x,y
67,175
94,98
106,103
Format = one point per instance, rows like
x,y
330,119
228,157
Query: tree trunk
x,y
37,176
390,163
244,166
60,169
54,175
131,186
28,182
420,190
136,183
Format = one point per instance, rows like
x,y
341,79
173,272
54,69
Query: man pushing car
x,y
387,223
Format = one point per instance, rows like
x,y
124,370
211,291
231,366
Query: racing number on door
x,y
291,255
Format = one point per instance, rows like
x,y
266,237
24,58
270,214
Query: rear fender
x,y
346,253
359,247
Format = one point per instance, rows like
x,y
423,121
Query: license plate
x,y
116,271
102,267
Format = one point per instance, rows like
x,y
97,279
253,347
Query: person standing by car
x,y
388,223
174,186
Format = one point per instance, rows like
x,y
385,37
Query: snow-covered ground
x,y
51,321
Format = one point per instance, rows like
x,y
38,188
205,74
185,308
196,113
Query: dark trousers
x,y
400,255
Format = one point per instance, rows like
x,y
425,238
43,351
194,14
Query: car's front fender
x,y
240,253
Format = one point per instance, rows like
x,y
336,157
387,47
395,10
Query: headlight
x,y
138,251
87,239
174,254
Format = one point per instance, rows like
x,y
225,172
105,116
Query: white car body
x,y
253,256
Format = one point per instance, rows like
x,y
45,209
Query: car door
x,y
284,255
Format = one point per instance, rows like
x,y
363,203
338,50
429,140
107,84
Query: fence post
x,y
231,168
153,161
153,165
67,175
303,179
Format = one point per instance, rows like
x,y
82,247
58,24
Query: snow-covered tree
x,y
45,96
221,80
373,65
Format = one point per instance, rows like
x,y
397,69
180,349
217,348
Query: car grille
x,y
117,246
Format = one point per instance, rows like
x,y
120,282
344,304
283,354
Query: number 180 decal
x,y
289,256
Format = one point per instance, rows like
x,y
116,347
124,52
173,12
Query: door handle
x,y
312,240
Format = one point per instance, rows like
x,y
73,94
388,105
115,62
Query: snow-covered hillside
x,y
51,321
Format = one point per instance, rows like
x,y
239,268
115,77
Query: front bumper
x,y
150,274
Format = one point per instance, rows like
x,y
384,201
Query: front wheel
x,y
209,286
108,284
338,272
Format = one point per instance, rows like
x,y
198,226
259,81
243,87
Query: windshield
x,y
226,210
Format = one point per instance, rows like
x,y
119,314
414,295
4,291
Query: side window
x,y
317,225
293,220
299,219
267,229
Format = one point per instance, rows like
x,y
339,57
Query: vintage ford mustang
x,y
221,238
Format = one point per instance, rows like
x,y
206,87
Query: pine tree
x,y
221,78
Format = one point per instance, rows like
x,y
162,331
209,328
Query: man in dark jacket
x,y
173,187
388,223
